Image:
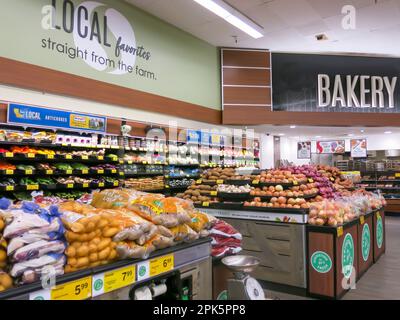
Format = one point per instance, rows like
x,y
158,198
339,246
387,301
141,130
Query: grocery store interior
x,y
199,150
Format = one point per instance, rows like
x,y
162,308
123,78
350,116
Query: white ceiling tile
x,y
382,15
328,8
314,28
243,5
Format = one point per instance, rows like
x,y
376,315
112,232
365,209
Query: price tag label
x,y
28,171
9,172
85,157
70,186
101,171
220,181
85,185
310,180
50,156
331,178
213,193
295,183
64,144
100,157
113,280
116,183
31,155
69,171
121,173
397,175
130,162
113,170
206,204
256,182
68,156
101,184
199,181
161,265
85,171
9,188
114,147
144,162
339,231
49,171
167,187
362,220
75,290
32,187
9,155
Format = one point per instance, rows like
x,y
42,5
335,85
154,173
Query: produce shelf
x,y
237,182
238,197
23,158
267,198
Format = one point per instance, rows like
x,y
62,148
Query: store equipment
x,y
243,286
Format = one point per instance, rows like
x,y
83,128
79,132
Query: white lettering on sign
x,y
362,91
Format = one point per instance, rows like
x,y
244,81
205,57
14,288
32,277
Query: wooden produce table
x,y
338,256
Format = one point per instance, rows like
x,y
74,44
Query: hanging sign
x,y
331,147
304,150
43,117
193,136
205,138
358,148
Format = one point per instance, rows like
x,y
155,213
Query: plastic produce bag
x,y
114,198
183,233
49,259
201,221
131,250
38,249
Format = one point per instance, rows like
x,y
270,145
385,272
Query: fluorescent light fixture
x,y
362,130
388,132
234,17
350,135
281,134
318,137
293,127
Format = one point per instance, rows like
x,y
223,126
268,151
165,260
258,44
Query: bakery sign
x,y
335,83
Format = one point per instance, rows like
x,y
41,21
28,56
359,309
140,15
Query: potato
x,y
103,254
3,255
96,240
90,226
76,244
91,236
113,255
77,227
2,288
82,251
1,224
93,257
70,252
72,262
82,262
5,280
71,236
102,223
103,244
92,248
110,232
3,264
68,269
83,237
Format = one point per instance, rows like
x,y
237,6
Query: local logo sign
x,y
102,37
321,262
379,232
365,242
347,256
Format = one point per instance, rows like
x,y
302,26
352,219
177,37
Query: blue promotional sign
x,y
28,115
193,136
205,138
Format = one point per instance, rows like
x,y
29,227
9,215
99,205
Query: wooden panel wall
x,y
246,79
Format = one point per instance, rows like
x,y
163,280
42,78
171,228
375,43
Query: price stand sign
x,y
75,290
113,280
155,267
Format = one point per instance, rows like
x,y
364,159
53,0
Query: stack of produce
x,y
7,166
218,174
153,183
35,241
200,193
89,235
282,176
224,188
5,279
226,240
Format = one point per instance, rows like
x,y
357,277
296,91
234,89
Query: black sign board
x,y
329,83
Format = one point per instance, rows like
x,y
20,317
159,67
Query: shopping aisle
x,y
382,279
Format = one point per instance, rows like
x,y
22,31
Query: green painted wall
x,y
184,67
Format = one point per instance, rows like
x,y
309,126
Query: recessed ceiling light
x,y
350,135
362,130
388,132
233,16
292,127
281,134
318,137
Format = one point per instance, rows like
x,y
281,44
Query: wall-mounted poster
x,y
358,148
331,147
304,150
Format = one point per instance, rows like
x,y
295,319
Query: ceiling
x,y
291,25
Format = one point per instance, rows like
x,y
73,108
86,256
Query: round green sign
x,y
365,242
142,271
39,298
321,262
223,295
347,256
379,232
98,284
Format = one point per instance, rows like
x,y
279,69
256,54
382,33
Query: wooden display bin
x,y
365,243
379,234
220,276
332,259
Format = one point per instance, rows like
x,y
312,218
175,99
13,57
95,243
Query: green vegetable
x,y
79,166
63,166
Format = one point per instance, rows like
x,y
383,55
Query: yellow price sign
x,y
50,156
84,157
362,220
220,181
85,171
310,180
101,171
116,183
167,187
70,186
332,179
161,265
32,187
31,155
130,162
101,184
339,231
49,171
100,158
295,183
114,147
9,188
121,173
256,182
85,185
144,162
213,193
206,204
397,175
199,181
9,155
75,290
69,171
113,170
119,278
28,171
9,171
68,156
